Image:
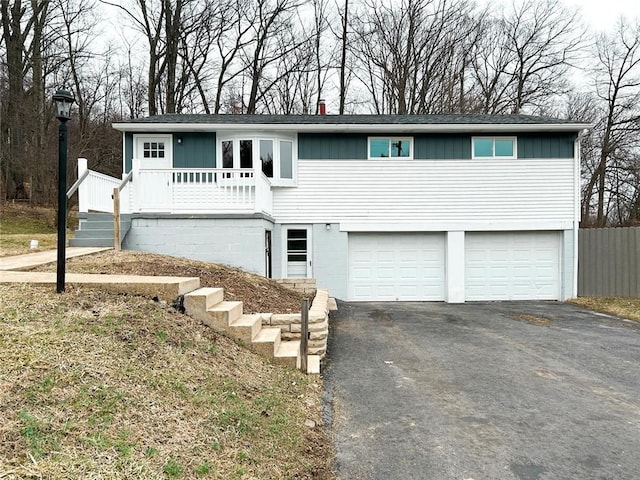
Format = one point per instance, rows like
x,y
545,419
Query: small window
x,y
296,245
227,154
153,150
503,147
266,157
246,154
390,147
493,147
286,160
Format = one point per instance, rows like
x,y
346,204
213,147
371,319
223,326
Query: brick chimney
x,y
322,108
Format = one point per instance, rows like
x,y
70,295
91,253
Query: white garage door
x,y
396,266
512,266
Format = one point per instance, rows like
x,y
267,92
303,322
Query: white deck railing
x,y
178,190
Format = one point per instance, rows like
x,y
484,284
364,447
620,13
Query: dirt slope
x,y
258,294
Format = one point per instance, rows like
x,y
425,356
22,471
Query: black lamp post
x,y
62,99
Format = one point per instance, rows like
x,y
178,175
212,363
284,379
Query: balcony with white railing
x,y
179,190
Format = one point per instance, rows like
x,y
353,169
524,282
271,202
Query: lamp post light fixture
x,y
62,100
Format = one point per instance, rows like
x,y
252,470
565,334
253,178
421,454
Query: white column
x,y
125,196
569,265
134,185
83,189
455,267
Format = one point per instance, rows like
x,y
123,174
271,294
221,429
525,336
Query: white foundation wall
x,y
234,241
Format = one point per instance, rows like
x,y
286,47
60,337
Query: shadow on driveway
x,y
514,390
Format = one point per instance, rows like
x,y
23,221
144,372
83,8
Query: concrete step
x,y
245,328
207,305
94,233
97,225
202,299
91,242
313,365
96,229
266,342
288,354
332,305
164,287
96,216
222,314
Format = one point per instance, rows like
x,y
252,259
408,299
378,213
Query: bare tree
x,y
25,35
131,86
301,75
344,42
522,60
614,180
273,38
232,35
411,53
148,19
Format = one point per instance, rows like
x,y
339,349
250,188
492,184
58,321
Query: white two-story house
x,y
429,208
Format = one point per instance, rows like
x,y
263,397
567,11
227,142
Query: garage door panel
x,y
408,274
404,266
408,291
512,265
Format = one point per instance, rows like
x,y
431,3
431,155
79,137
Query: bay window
x,y
274,157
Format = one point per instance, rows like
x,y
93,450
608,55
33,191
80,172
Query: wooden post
x,y
116,220
304,334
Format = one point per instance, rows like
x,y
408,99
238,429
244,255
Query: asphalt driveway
x,y
518,390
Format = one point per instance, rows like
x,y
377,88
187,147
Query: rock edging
x,y
290,324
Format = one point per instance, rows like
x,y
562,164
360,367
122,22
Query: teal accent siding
x,y
353,146
332,146
197,150
128,151
546,145
442,147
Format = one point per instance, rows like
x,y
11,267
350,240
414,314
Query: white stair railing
x,y
94,190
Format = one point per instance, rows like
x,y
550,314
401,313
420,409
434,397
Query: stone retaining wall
x,y
302,285
290,323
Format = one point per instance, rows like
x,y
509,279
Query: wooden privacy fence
x,y
609,262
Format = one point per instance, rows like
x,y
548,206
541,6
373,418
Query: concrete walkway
x,y
164,287
30,260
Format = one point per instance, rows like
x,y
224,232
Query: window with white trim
x,y
494,147
390,147
272,155
153,150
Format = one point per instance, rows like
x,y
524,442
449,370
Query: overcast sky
x,y
601,14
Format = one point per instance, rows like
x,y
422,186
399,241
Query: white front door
x,y
155,155
297,255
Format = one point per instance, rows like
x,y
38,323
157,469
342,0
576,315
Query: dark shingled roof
x,y
451,119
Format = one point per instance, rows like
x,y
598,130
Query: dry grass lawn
x,y
619,306
101,385
20,223
97,385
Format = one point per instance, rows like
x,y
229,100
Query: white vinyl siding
x,y
425,192
512,265
396,266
